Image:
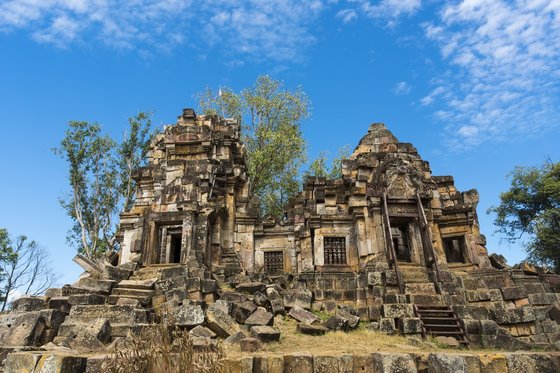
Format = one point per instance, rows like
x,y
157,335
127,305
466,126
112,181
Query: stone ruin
x,y
388,244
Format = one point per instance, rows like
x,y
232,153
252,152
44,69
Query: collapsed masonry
x,y
387,243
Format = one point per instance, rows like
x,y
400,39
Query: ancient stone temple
x,y
388,247
194,203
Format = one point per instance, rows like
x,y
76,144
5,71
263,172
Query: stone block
x,y
44,362
250,287
192,284
201,331
86,299
236,337
410,325
186,315
312,329
513,292
444,363
303,316
276,301
167,273
260,317
363,363
302,298
393,363
250,344
266,333
387,325
208,286
336,323
542,299
300,362
261,300
221,323
472,312
28,303
398,310
233,297
59,303
22,329
241,311
163,286
353,320
375,279
325,364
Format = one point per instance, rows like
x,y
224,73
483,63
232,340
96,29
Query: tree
x,y
100,177
26,267
532,207
320,168
271,131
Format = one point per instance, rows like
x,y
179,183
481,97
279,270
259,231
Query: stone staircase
x,y
229,262
440,321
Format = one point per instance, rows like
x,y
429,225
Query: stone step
x,y
144,301
116,314
147,284
425,299
420,288
135,289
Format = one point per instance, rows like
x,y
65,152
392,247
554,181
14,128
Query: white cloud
x,y
401,89
347,15
504,76
274,29
390,8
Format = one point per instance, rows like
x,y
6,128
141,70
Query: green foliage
x,y
320,168
532,206
270,117
100,177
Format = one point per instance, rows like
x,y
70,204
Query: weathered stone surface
x,y
266,333
100,329
353,320
201,331
84,299
186,315
325,364
22,329
260,317
276,301
393,363
59,303
28,303
233,297
498,261
513,292
236,337
298,298
250,344
250,287
542,299
303,316
241,311
221,323
44,363
336,323
387,325
410,325
312,329
398,310
445,363
298,363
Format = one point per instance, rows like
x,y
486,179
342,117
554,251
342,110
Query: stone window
x,y
273,262
335,250
454,249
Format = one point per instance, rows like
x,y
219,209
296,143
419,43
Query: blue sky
x,y
472,84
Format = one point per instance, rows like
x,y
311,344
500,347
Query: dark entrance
x,y
401,241
454,249
175,249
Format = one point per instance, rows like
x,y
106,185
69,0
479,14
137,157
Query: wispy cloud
x,y
276,29
389,8
347,15
504,68
401,88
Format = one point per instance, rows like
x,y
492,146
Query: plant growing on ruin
x,y
319,166
100,177
531,207
271,131
163,348
24,267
